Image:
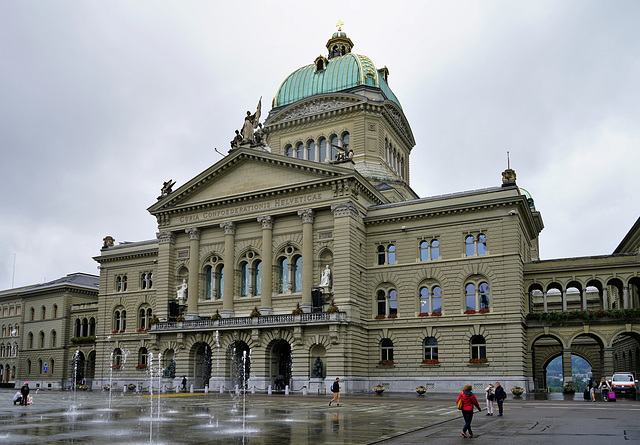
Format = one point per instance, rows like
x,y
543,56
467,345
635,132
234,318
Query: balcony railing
x,y
264,320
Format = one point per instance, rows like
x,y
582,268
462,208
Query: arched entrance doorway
x,y
239,359
201,364
77,367
280,364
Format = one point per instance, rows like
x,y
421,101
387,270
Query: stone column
x,y
163,277
566,367
229,268
584,299
267,265
605,298
194,256
607,361
564,300
625,297
307,258
544,297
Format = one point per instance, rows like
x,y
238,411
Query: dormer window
x,y
320,65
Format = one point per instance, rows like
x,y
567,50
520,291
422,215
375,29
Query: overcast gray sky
x,y
100,102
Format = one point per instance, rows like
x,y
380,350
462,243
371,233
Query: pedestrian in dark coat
x,y
25,393
500,396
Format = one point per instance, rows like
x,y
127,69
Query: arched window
x,y
283,275
54,339
393,302
143,356
92,326
435,249
85,327
117,358
28,366
257,278
386,349
4,330
77,328
244,279
300,150
470,296
436,300
52,366
220,282
334,143
382,256
382,303
30,340
345,140
430,348
311,150
44,313
482,244
55,311
288,150
320,65
483,289
120,320
33,314
41,340
424,300
478,347
322,145
470,248
297,274
424,251
146,280
392,254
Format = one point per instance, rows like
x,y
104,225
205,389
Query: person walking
x,y
335,389
490,396
604,387
500,396
25,393
469,400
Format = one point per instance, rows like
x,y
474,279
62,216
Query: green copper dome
x,y
341,71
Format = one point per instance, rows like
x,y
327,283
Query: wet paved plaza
x,y
59,418
214,418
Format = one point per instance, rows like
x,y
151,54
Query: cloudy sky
x,y
100,102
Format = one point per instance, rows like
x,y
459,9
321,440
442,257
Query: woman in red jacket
x,y
468,402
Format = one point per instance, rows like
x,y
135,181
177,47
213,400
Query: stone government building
x,y
304,255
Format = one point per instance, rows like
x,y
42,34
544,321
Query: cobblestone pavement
x,y
57,418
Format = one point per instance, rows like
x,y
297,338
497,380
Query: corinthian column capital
x,y
307,215
229,228
266,221
194,233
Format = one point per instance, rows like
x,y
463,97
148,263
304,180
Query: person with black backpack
x,y
335,389
500,396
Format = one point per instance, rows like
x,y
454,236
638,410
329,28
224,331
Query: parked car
x,y
623,383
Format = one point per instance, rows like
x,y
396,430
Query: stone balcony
x,y
248,322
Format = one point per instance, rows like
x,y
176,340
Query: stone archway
x,y
239,363
279,355
201,363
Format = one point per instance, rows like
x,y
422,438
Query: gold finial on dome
x,y
339,25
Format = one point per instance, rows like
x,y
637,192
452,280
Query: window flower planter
x,y
436,314
141,366
332,308
478,361
216,316
483,311
423,314
380,317
429,361
386,363
392,316
254,313
298,310
470,311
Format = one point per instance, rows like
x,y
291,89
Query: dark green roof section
x,y
341,73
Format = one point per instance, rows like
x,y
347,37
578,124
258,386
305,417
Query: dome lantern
x,y
339,44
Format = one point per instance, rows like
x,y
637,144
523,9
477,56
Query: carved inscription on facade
x,y
249,208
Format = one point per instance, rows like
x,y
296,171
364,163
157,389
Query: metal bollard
x,y
304,390
221,388
269,390
191,388
286,390
206,389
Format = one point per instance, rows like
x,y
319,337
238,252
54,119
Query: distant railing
x,y
264,320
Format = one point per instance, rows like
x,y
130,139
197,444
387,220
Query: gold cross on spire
x,y
339,25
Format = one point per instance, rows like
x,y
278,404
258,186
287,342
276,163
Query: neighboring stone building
x,y
310,257
38,329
